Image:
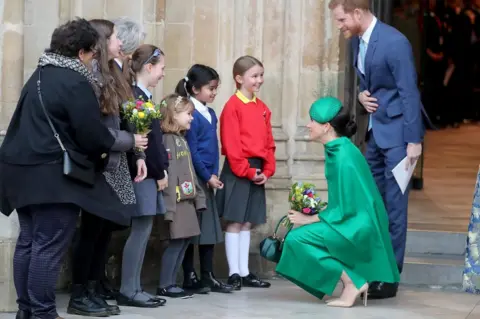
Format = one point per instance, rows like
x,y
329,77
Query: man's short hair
x,y
350,5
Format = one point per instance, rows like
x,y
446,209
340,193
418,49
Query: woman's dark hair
x,y
145,54
115,88
343,123
198,76
73,36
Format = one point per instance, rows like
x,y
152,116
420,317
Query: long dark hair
x,y
115,88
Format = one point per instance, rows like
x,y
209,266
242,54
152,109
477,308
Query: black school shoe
x,y
105,290
209,280
253,281
164,292
235,281
93,296
123,300
193,285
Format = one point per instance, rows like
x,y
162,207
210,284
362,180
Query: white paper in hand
x,y
403,174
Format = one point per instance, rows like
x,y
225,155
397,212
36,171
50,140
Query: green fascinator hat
x,y
325,109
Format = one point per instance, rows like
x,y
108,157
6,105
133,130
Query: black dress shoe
x,y
253,281
165,292
209,280
80,304
93,296
235,281
382,290
22,314
105,290
193,285
123,300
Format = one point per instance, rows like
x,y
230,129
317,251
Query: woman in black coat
x,y
32,178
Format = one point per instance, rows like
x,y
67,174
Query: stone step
x,y
435,242
433,270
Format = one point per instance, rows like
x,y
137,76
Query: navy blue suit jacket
x,y
390,76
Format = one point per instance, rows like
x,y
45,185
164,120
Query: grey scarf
x,y
49,58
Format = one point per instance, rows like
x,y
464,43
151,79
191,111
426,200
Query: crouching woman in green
x,y
349,240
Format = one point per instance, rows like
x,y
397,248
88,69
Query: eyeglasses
x,y
155,54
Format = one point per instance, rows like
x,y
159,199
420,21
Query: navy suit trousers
x,y
45,233
382,162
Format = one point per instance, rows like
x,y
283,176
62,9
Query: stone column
x,y
11,66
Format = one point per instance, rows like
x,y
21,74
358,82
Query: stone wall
x,y
296,40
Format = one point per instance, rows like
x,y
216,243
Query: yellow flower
x,y
141,115
149,105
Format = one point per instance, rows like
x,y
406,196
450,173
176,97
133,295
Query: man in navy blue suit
x,y
385,66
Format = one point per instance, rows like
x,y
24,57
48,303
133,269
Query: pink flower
x,y
310,195
139,103
306,210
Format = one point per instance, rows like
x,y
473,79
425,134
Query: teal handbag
x,y
271,247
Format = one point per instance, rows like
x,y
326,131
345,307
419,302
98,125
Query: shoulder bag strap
x,y
278,226
55,134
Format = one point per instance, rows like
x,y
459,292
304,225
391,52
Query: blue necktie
x,y
363,51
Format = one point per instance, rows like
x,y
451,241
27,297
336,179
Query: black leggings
x,y
90,249
206,259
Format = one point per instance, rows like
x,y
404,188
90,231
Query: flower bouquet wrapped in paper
x,y
141,114
304,198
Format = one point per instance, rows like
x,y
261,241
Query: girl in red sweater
x,y
249,149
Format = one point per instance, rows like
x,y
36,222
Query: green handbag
x,y
271,247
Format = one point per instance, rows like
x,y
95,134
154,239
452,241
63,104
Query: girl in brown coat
x,y
183,196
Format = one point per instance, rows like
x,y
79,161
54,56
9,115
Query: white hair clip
x,y
186,79
177,101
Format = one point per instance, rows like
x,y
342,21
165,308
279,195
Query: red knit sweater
x,y
245,131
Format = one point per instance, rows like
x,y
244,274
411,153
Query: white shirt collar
x,y
145,90
199,105
119,62
368,33
202,109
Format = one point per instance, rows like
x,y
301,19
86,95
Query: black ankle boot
x,y
22,314
81,305
106,290
209,280
96,298
193,285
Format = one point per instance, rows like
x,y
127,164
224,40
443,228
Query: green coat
x,y
352,233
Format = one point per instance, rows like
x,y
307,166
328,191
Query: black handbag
x,y
271,247
75,165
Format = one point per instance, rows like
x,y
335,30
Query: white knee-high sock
x,y
231,249
244,252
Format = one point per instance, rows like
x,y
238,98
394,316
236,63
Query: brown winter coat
x,y
183,197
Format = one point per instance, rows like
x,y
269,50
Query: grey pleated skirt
x,y
209,220
149,199
240,200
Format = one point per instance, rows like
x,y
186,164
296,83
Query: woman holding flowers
x,y
349,240
95,232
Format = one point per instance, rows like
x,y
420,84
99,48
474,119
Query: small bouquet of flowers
x,y
140,114
304,198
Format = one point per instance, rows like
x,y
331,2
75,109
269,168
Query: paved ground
x,y
285,301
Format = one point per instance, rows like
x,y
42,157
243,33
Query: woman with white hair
x,y
132,35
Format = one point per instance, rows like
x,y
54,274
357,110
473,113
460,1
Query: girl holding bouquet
x,y
147,64
249,150
349,240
